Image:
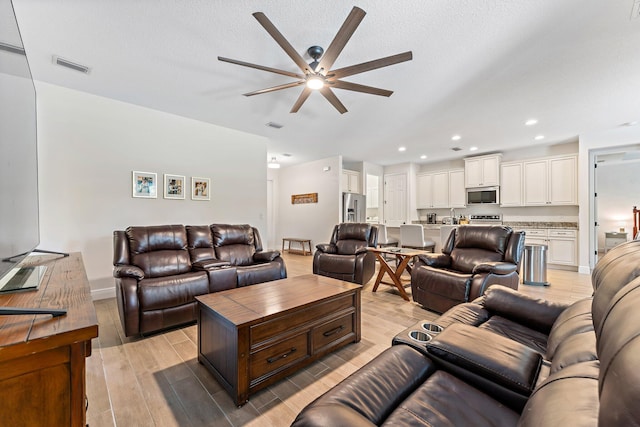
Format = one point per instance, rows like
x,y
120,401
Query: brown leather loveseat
x,y
472,258
159,270
479,376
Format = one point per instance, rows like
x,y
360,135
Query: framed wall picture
x,y
174,186
144,184
200,188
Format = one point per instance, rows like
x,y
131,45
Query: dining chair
x,y
412,236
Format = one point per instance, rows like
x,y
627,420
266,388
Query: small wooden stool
x,y
302,242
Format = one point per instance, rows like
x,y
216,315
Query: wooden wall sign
x,y
297,199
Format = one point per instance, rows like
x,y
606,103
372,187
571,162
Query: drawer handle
x,y
282,356
333,331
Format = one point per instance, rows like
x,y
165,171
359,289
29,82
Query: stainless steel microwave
x,y
485,195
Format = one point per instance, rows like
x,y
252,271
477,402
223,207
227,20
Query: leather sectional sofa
x,y
159,270
505,360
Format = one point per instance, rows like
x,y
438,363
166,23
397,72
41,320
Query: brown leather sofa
x,y
346,257
474,376
472,258
159,270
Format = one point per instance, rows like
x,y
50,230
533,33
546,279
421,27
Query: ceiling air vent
x,y
456,149
72,65
11,48
275,125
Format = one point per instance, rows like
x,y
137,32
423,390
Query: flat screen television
x,y
19,216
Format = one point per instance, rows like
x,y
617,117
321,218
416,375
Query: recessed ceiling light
x,y
539,137
473,148
402,149
456,138
423,156
633,123
531,122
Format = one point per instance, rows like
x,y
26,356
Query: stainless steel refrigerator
x,y
354,207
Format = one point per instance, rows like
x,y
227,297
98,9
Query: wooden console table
x,y
42,359
304,243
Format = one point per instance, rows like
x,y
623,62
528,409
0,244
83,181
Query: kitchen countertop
x,y
513,224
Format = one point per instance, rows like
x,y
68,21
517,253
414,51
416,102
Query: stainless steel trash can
x,y
534,265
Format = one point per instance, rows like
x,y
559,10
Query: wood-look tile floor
x,y
157,380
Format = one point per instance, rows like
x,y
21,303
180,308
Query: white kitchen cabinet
x,y
432,190
457,191
563,247
511,184
562,244
482,171
350,181
551,181
373,191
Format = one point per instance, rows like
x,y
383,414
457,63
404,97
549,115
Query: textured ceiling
x,y
480,69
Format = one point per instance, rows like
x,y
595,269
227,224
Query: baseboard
x,y
584,269
105,293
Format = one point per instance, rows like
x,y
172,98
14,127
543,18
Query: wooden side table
x,y
304,244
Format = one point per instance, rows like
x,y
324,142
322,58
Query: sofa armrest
x,y
362,250
266,256
499,366
327,248
435,260
536,313
121,271
497,267
209,264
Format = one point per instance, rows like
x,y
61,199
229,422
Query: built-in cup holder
x,y
419,336
432,328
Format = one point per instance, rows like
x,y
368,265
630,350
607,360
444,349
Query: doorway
x,y
615,184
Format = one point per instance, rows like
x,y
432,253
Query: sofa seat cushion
x,y
258,273
337,264
467,313
171,291
444,400
517,332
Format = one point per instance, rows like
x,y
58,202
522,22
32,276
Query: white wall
x,y
88,147
313,221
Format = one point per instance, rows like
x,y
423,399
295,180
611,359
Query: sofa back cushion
x,y
200,243
234,243
159,250
349,238
477,244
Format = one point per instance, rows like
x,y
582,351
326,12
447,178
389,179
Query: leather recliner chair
x,y
346,256
473,258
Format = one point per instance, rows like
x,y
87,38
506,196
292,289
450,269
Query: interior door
x,y
395,199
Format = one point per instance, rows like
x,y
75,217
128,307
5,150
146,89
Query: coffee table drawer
x,y
265,331
278,356
328,333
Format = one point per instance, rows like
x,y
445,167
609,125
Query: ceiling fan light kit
x,y
318,75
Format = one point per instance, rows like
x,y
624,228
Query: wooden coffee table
x,y
403,256
253,336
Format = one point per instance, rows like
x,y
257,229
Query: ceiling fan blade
x,y
338,84
301,99
279,38
261,67
333,99
371,65
342,37
274,88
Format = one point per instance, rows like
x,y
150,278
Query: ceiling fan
x,y
318,75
